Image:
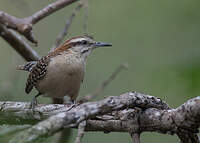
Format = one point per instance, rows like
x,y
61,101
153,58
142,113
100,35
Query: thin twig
x,y
68,23
81,128
103,85
85,20
135,137
18,44
51,8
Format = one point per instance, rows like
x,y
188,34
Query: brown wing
x,y
37,73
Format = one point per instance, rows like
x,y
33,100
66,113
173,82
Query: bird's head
x,y
83,45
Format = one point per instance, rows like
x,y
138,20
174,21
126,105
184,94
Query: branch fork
x,y
25,25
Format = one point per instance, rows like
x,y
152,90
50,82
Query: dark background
x,y
159,40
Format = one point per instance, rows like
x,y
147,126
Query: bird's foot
x,y
72,104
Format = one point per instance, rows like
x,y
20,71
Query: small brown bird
x,y
61,72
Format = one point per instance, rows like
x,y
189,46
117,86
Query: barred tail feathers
x,y
27,67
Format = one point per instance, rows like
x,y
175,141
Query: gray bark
x,y
130,112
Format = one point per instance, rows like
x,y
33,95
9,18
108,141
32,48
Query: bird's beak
x,y
100,44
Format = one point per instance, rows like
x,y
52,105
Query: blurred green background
x,y
159,39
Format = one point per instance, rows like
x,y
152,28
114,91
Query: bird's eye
x,y
84,42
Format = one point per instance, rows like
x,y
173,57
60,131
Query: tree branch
x,y
135,137
51,8
86,6
80,113
68,23
81,129
25,25
20,111
18,44
113,114
130,112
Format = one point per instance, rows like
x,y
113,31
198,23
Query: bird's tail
x,y
27,67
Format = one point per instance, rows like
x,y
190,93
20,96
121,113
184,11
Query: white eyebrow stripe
x,y
77,40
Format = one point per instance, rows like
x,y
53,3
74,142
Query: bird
x,y
61,72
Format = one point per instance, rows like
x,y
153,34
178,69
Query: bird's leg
x,y
72,101
34,101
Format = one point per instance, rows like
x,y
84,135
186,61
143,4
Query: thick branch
x,y
84,111
21,25
20,111
88,110
18,44
113,114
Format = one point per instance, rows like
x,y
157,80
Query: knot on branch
x,y
23,26
144,101
26,29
